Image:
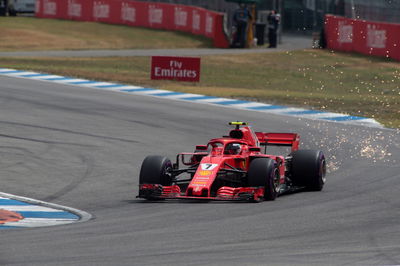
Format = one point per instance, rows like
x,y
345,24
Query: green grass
x,y
29,33
316,79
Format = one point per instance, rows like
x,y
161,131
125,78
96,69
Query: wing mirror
x,y
201,147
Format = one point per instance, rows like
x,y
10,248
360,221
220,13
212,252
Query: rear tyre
x,y
156,170
263,172
309,169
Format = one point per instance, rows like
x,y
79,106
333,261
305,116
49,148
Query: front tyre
x,y
156,170
309,169
263,172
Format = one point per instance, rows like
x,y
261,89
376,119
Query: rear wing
x,y
279,139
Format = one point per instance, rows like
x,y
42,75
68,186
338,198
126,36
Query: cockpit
x,y
233,149
225,148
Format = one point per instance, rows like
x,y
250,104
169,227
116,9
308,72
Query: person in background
x,y
241,18
3,7
273,24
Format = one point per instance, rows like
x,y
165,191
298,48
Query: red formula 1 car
x,y
234,168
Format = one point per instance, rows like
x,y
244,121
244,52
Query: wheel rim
x,y
167,173
275,180
322,171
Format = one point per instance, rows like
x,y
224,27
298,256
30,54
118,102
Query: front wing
x,y
156,191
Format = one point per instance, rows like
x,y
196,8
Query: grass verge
x,y
29,34
315,79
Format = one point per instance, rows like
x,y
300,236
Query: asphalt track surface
x,y
83,148
289,42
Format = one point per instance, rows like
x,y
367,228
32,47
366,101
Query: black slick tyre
x,y
263,172
308,169
156,170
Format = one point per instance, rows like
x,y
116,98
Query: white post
x,y
353,9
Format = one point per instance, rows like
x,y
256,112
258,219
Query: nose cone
x,y
203,179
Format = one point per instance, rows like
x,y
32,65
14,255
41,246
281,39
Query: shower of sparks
x,y
372,145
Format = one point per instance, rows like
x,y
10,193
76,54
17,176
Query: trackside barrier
x,y
195,20
366,37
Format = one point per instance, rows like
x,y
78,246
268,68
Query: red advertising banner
x,y
155,15
79,9
372,38
175,68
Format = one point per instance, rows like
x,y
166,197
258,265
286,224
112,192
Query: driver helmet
x,y
234,148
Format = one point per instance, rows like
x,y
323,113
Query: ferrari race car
x,y
234,167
